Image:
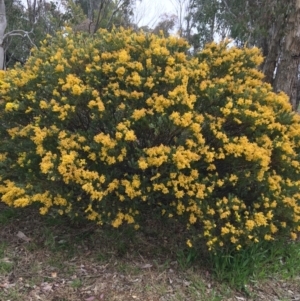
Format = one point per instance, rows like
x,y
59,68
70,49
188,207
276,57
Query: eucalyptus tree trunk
x,y
3,24
271,48
286,78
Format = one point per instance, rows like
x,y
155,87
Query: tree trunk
x,y
271,47
286,78
3,24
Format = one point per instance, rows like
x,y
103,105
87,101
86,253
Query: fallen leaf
x,y
6,259
90,298
135,280
186,283
22,236
146,266
54,275
46,287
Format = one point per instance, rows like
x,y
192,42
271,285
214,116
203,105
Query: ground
x,y
43,258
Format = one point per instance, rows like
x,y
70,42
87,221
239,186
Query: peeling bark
x,y
286,78
271,49
3,24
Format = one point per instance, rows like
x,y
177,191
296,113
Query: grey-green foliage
x,y
107,13
14,46
27,26
165,25
206,16
30,24
204,19
244,21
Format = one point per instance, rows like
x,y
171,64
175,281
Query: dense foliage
x,y
105,126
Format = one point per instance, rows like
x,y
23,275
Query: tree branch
x,y
229,10
21,33
114,12
98,17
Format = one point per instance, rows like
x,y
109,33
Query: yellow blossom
x,y
192,218
10,106
293,235
130,136
59,68
76,90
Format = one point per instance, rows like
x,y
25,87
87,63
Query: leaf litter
x,y
92,269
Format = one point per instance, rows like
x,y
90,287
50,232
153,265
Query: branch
x,y
114,12
229,10
98,17
21,33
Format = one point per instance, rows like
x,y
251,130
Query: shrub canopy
x,y
105,126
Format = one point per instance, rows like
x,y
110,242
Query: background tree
x,y
27,25
271,25
165,25
106,13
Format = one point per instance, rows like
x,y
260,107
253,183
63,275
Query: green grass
x,y
257,262
76,283
8,213
12,295
2,250
198,289
6,265
187,257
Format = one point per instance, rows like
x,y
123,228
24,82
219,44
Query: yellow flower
x,y
220,183
273,228
142,164
189,244
192,218
224,230
260,219
120,71
130,136
10,106
59,68
293,235
123,56
233,240
138,114
250,224
22,202
268,237
96,58
76,90
43,104
43,210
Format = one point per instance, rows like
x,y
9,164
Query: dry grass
x,y
42,258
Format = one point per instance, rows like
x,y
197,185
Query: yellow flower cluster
x,y
103,125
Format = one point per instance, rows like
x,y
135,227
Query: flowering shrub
x,y
105,126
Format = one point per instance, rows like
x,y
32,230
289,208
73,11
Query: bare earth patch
x,y
47,259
